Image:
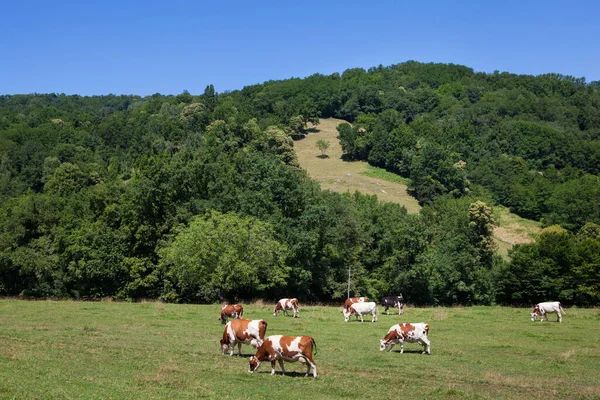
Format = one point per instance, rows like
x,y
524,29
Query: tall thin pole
x,y
349,269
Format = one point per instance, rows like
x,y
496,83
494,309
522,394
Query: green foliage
x,y
224,256
559,265
94,190
323,146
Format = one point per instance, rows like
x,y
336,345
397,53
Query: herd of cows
x,y
280,348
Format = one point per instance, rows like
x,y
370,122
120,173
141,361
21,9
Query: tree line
x,y
199,198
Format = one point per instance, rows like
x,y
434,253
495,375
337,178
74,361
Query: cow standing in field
x,y
244,331
286,304
351,300
543,309
393,301
285,348
231,311
360,309
400,333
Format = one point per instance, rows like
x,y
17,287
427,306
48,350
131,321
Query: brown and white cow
x,y
351,300
286,304
231,311
400,333
244,331
286,348
550,307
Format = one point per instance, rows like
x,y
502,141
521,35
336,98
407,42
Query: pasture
x,y
93,350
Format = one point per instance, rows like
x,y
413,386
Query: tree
x,y
323,146
224,256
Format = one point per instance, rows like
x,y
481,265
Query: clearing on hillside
x,y
342,176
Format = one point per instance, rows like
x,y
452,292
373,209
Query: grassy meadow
x,y
98,350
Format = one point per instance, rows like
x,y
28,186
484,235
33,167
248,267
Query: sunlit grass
x,y
382,174
67,349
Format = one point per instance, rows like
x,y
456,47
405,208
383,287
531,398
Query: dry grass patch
x,y
342,176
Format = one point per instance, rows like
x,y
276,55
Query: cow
x,y
231,311
244,331
393,301
351,300
286,348
361,309
551,307
407,332
286,304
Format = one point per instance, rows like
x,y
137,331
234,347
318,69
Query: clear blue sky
x,y
144,47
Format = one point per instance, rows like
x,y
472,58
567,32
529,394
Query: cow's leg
x,y
399,308
559,319
392,346
401,346
426,345
361,318
310,364
387,309
240,349
282,367
273,367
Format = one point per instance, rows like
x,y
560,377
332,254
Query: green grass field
x,y
97,350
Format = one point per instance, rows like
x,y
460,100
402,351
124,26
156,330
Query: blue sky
x,y
146,47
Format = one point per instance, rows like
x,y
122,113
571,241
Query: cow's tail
x,y
561,309
241,312
314,344
262,329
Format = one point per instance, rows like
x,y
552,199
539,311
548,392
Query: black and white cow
x,y
393,301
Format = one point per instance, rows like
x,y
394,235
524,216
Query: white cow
x,y
550,307
407,332
359,309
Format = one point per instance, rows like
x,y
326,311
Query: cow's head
x,y
383,344
536,311
224,346
254,364
348,313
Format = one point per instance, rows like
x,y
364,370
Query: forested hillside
x,y
199,198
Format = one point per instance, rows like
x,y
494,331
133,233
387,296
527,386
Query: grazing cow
x,y
286,348
286,304
407,332
244,331
361,309
393,301
551,307
351,300
231,311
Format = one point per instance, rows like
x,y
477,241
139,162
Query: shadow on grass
x,y
298,136
291,374
313,130
408,351
323,156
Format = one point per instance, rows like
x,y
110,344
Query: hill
x,y
333,173
338,175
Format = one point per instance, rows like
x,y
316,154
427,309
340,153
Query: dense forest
x,y
199,198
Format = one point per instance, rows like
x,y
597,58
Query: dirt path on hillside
x,y
342,176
